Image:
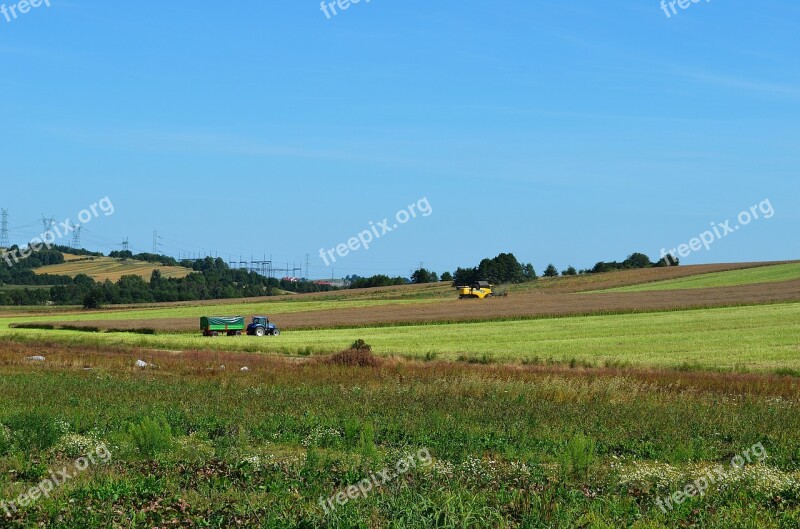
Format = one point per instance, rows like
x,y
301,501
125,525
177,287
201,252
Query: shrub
x,y
361,345
354,358
151,437
578,455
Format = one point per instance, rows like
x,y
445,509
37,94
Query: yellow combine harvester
x,y
479,290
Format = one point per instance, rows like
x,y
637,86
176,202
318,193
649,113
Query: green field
x,y
763,337
542,422
748,276
191,445
196,311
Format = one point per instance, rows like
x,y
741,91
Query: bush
x,y
151,437
360,345
578,455
354,358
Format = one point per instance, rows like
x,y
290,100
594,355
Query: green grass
x,y
508,450
761,337
748,276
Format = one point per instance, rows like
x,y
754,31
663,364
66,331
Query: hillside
x,y
102,268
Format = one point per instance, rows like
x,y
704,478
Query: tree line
x,y
213,279
209,279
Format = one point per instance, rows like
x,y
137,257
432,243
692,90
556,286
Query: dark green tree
x,y
637,260
424,276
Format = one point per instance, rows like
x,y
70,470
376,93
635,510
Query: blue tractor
x,y
262,327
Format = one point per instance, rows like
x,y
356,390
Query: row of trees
x,y
379,280
210,279
166,260
505,268
633,261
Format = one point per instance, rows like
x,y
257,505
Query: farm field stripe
x,y
765,337
766,274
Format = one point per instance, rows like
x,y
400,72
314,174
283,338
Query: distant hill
x,y
102,268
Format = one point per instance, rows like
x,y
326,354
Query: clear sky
x,y
562,131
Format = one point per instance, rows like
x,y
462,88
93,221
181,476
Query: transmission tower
x,y
47,223
76,237
156,244
125,245
4,241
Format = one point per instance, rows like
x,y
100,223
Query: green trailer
x,y
213,325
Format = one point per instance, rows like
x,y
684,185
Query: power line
x,y
4,241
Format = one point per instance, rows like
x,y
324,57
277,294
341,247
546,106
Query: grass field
x,y
192,445
102,268
143,317
766,274
764,338
528,418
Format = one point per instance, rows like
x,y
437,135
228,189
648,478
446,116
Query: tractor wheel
x,y
276,332
260,332
215,334
238,333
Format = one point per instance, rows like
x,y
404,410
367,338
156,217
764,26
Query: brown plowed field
x,y
527,304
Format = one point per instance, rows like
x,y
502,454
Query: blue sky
x,y
565,132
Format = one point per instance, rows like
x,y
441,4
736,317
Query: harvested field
x,y
102,268
622,278
524,304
